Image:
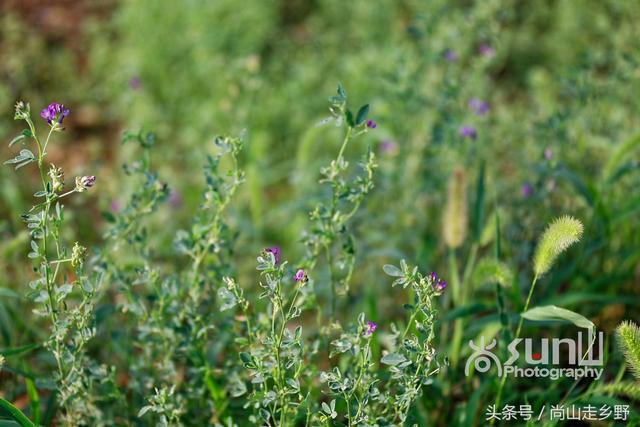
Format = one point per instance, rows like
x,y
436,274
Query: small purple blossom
x,y
388,146
371,124
175,199
116,206
370,328
548,153
486,50
135,83
433,276
527,190
450,55
479,107
275,250
468,132
54,113
440,285
300,276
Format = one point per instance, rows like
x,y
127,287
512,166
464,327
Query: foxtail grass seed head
x,y
84,182
455,212
559,235
628,334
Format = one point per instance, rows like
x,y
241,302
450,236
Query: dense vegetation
x,y
300,213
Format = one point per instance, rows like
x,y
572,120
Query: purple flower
x,y
468,132
527,190
388,146
300,276
479,107
135,83
440,285
548,153
433,276
370,328
275,250
175,199
54,113
116,206
450,55
486,50
371,124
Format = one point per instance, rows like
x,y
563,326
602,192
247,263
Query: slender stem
x,y
518,330
526,306
58,261
458,330
333,283
347,137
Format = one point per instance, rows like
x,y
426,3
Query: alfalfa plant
x,y
64,289
175,330
331,233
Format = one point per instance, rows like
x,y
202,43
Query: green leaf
x,y
554,313
349,116
109,217
392,270
24,158
478,208
621,154
16,413
362,114
9,293
19,350
25,134
393,359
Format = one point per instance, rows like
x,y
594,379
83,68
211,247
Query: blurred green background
x,y
562,79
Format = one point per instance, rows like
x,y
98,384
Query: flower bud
x,y
77,255
22,111
56,175
84,182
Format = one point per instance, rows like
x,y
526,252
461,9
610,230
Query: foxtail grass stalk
x,y
518,330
